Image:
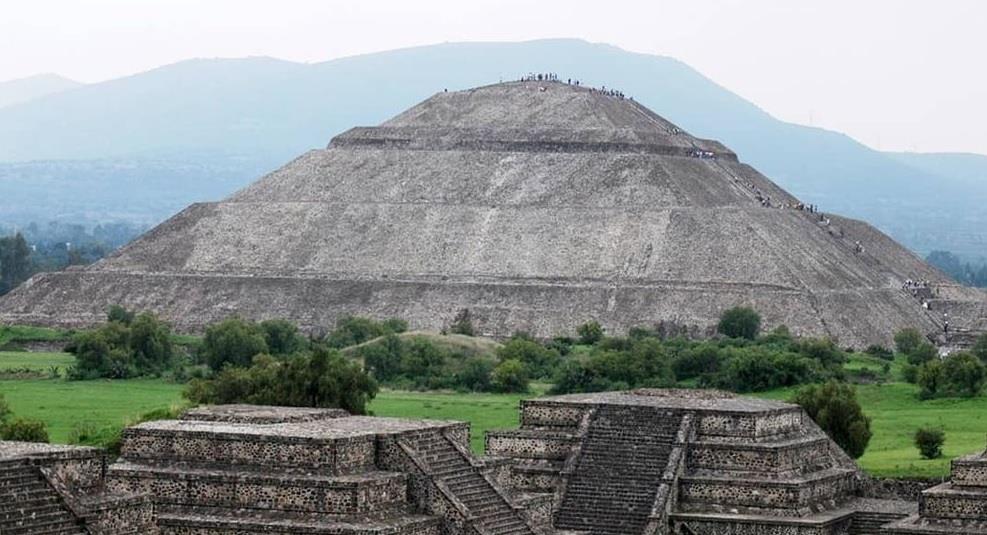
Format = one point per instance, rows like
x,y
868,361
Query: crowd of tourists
x,y
553,77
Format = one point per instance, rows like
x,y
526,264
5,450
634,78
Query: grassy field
x,y
40,361
893,408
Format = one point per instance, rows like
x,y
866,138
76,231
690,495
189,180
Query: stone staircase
x,y
871,522
488,510
614,483
29,505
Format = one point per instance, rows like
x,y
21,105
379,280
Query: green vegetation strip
x,y
23,360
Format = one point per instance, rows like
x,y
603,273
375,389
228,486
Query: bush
x,y
701,360
922,353
510,376
979,349
907,340
739,322
960,375
756,369
834,407
929,442
234,342
4,410
117,350
823,351
589,333
539,361
476,376
120,315
321,378
282,337
24,430
880,352
462,323
354,330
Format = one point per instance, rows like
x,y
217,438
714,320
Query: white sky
x,y
895,74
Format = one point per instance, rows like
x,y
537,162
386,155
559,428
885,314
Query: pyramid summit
x,y
537,206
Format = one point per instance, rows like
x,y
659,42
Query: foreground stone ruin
x,y
958,506
640,462
537,206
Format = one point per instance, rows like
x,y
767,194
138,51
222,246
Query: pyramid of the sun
x,y
535,205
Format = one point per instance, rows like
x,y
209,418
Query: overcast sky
x,y
895,74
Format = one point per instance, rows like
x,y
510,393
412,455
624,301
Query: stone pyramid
x,y
535,205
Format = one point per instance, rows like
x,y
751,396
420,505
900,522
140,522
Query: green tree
x,y
15,262
930,378
929,441
354,330
510,376
922,353
384,359
476,375
540,361
119,314
321,378
980,348
964,374
150,343
739,322
234,341
834,407
590,332
282,337
907,340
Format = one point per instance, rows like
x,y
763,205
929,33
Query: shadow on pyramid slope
x,y
536,205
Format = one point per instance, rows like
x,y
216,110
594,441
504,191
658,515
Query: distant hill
x,y
248,114
26,89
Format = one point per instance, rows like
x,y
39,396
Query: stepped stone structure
x,y
956,507
47,489
535,205
643,462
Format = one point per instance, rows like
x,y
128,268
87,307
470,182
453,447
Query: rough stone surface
x,y
536,205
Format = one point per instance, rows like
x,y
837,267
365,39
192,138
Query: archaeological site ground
x,y
535,205
647,461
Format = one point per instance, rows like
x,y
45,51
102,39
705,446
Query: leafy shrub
x,y
539,361
980,348
590,332
355,330
739,322
234,342
960,375
756,369
321,378
880,352
477,376
119,314
282,337
510,376
24,430
462,323
922,353
929,441
907,340
5,411
117,350
834,407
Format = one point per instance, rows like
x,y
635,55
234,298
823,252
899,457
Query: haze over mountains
x,y
33,87
141,147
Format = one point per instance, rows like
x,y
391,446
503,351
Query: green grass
x,y
896,413
63,404
24,333
41,361
894,409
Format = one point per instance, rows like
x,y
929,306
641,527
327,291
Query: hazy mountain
x,y
26,89
242,115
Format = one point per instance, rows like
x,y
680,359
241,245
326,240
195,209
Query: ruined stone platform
x,y
958,506
244,469
686,461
